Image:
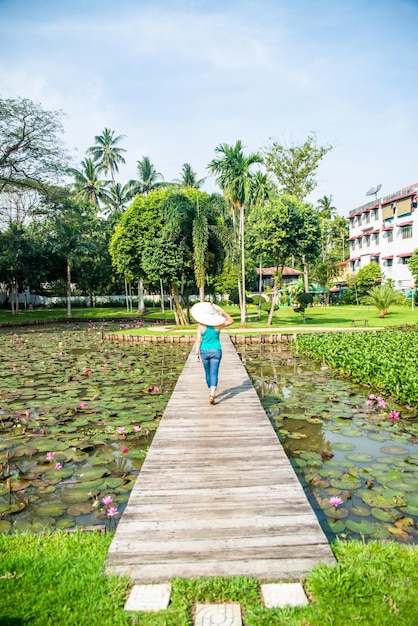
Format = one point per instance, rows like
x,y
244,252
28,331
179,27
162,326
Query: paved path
x,y
216,495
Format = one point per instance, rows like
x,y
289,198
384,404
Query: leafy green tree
x,y
382,297
107,153
275,230
304,299
197,219
21,261
88,186
31,151
367,277
71,232
295,169
235,177
295,166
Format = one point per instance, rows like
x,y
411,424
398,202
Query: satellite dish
x,y
373,191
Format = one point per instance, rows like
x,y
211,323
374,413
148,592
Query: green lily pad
x,y
359,457
83,508
341,445
394,450
364,527
5,526
383,516
361,511
51,509
337,526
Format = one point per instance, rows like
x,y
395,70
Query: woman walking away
x,y
211,319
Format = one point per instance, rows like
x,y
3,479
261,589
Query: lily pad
x,y
364,527
342,445
359,457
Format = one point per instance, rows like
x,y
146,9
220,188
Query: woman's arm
x,y
228,319
198,341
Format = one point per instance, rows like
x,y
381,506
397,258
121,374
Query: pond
x,y
77,416
355,452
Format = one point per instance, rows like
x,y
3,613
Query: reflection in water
x,y
342,445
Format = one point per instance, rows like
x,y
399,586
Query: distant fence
x,y
190,339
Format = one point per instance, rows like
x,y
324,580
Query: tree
x,y
189,178
413,265
295,166
367,277
116,198
382,297
71,231
197,219
31,152
234,176
149,178
88,186
107,153
275,230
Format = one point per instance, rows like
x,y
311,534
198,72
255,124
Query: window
x,y
389,262
404,260
376,214
367,217
406,232
360,243
368,241
389,235
376,238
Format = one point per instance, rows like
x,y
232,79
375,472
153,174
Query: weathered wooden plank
x,y
216,494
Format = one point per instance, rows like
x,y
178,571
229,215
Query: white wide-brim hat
x,y
205,313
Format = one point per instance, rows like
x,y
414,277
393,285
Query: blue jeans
x,y
211,360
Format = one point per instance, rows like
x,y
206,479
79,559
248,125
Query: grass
x,y
57,578
318,317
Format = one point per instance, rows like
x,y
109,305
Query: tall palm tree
x,y
189,178
234,176
107,152
148,178
87,185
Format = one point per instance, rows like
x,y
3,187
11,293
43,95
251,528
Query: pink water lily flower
x,y
49,456
58,466
111,511
107,500
335,501
394,415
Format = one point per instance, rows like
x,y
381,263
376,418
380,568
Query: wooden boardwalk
x,y
216,495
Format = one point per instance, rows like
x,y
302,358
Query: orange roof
x,y
286,271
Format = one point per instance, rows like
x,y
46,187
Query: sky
x,y
178,78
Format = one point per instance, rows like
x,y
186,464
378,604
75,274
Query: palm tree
x,y
234,177
325,208
189,178
88,186
149,178
107,152
116,198
382,297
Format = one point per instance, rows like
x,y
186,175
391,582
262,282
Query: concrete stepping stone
x,y
149,597
218,615
279,595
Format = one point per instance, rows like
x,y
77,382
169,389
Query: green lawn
x,y
318,317
57,578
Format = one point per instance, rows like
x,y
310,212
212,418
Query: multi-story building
x,y
386,231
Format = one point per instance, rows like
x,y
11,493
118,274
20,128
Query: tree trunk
x,y
305,274
243,298
180,316
141,304
202,293
68,289
273,301
162,296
